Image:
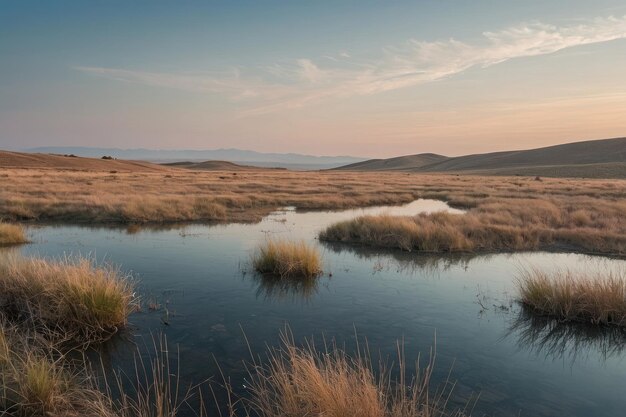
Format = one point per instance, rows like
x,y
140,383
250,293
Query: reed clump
x,y
287,259
12,234
302,381
37,381
598,298
79,300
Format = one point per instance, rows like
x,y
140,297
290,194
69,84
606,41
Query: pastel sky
x,y
363,78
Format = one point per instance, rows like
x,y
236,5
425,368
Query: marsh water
x,y
208,297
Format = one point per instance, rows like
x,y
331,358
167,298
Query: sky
x,y
362,78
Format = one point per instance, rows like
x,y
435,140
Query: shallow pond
x,y
520,365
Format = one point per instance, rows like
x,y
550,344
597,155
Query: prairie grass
x,y
37,381
42,384
501,227
287,259
302,381
81,301
423,233
597,298
12,234
580,214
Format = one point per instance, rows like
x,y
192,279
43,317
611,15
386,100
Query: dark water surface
x,y
520,364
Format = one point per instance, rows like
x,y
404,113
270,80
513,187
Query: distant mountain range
x,y
605,158
212,166
259,159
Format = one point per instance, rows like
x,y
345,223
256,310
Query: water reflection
x,y
195,272
406,262
272,287
555,339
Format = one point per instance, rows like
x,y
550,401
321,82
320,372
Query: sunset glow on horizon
x,y
366,78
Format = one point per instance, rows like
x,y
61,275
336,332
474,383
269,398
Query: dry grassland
x,y
583,214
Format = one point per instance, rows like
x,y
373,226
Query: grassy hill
x,y
71,162
604,158
398,163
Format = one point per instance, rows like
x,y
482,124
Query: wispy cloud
x,y
295,84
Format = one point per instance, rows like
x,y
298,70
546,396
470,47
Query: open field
x,y
582,214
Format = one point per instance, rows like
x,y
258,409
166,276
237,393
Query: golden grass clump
x,y
287,259
41,383
12,234
72,296
302,382
598,298
37,381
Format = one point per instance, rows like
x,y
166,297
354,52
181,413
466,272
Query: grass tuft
x,y
12,234
72,296
38,381
287,259
598,298
42,383
302,381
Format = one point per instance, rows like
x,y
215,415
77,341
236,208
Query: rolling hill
x,y
71,162
212,166
398,163
237,156
605,158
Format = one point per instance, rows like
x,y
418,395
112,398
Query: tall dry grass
x,y
433,233
12,234
302,381
507,228
39,381
585,215
287,259
598,297
83,302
